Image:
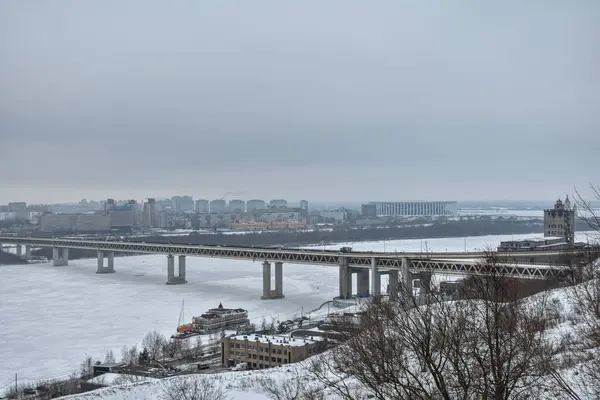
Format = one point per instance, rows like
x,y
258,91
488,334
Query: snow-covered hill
x,y
249,385
241,385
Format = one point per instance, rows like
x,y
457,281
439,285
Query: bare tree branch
x,y
589,214
192,388
491,346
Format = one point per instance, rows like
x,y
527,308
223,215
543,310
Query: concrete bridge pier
x,y
171,278
28,252
393,285
266,280
345,279
362,282
269,294
424,286
279,280
407,276
375,278
110,262
19,250
181,265
60,256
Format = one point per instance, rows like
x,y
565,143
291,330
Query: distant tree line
x,y
478,227
10,259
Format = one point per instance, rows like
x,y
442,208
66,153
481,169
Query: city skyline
x,y
337,100
293,202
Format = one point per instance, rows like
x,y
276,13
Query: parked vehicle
x,y
203,367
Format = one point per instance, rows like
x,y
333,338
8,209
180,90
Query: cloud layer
x,y
322,100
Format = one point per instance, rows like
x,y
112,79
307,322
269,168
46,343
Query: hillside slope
x,y
249,385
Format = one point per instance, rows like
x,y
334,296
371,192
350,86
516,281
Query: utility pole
x,y
16,385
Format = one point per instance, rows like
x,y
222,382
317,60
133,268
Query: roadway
x,y
463,263
251,252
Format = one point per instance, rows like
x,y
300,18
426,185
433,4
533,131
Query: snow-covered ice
x,y
469,243
52,317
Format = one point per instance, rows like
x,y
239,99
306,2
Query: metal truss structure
x,y
432,262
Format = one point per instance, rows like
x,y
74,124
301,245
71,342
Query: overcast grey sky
x,y
324,100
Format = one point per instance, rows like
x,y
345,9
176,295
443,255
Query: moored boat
x,y
213,320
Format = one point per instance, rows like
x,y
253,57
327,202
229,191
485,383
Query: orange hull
x,y
184,328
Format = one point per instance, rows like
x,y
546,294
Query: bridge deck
x,y
435,262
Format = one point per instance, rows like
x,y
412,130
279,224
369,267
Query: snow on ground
x,y
239,385
246,385
52,317
469,243
110,379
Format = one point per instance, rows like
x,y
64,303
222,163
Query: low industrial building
x,y
122,218
218,220
334,216
106,368
411,208
266,351
547,243
278,214
80,223
260,226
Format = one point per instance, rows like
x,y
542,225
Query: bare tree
x,y
154,342
185,349
85,367
170,348
582,350
294,388
394,350
586,209
129,355
198,346
263,324
109,357
510,350
494,347
192,388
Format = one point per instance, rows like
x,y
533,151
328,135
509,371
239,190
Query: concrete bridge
x,y
368,266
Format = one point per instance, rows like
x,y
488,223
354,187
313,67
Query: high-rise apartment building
x,y
149,214
237,206
163,204
278,203
19,209
202,206
255,204
109,204
218,206
182,204
304,208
